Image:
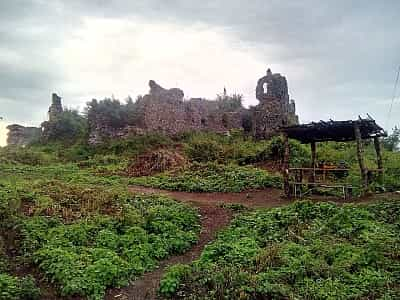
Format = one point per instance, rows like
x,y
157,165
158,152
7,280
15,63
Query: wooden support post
x,y
360,156
285,165
313,159
379,161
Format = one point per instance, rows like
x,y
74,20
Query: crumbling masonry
x,y
274,110
165,111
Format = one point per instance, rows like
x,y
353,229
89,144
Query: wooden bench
x,y
345,188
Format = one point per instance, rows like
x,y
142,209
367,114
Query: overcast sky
x,y
340,57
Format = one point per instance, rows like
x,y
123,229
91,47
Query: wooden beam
x,y
379,161
360,156
313,159
285,165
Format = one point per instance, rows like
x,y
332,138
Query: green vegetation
x,y
67,217
302,251
229,102
14,288
240,149
86,256
70,126
84,231
392,141
212,177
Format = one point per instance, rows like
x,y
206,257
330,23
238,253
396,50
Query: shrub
x,y
26,156
133,145
204,150
212,177
69,126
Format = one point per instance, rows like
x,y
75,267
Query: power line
x,y
394,96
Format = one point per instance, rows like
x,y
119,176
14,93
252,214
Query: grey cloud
x,y
348,50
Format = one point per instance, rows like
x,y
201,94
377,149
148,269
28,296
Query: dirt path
x,y
269,197
213,219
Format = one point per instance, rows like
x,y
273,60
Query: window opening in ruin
x,y
265,87
203,121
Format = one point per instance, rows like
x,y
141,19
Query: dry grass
x,y
155,162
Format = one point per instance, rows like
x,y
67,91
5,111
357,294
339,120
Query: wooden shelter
x,y
337,131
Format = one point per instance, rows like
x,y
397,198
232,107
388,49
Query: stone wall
x,y
165,111
55,108
274,109
19,135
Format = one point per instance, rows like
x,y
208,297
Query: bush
x,y
69,126
212,177
204,150
299,154
26,156
133,145
392,171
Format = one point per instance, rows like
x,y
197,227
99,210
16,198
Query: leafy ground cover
x,y
85,232
302,251
211,177
15,288
65,210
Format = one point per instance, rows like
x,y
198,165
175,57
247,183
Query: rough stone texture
x,y
274,109
165,111
55,108
168,113
21,136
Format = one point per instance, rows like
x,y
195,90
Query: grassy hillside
x,y
68,219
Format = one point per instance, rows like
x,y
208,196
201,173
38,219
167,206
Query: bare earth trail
x,y
213,219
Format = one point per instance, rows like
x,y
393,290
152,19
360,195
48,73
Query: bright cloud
x,y
3,134
110,56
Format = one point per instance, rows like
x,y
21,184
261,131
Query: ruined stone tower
x,y
55,111
55,108
274,109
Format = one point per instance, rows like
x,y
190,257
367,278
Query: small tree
x,y
110,111
70,125
392,142
229,102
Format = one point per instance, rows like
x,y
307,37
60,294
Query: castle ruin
x,y
165,111
19,135
274,110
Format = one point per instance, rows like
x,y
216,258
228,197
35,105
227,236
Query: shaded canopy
x,y
338,131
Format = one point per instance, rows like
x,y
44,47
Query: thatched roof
x,y
339,131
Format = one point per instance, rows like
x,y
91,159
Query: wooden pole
x,y
379,161
360,156
285,165
313,159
